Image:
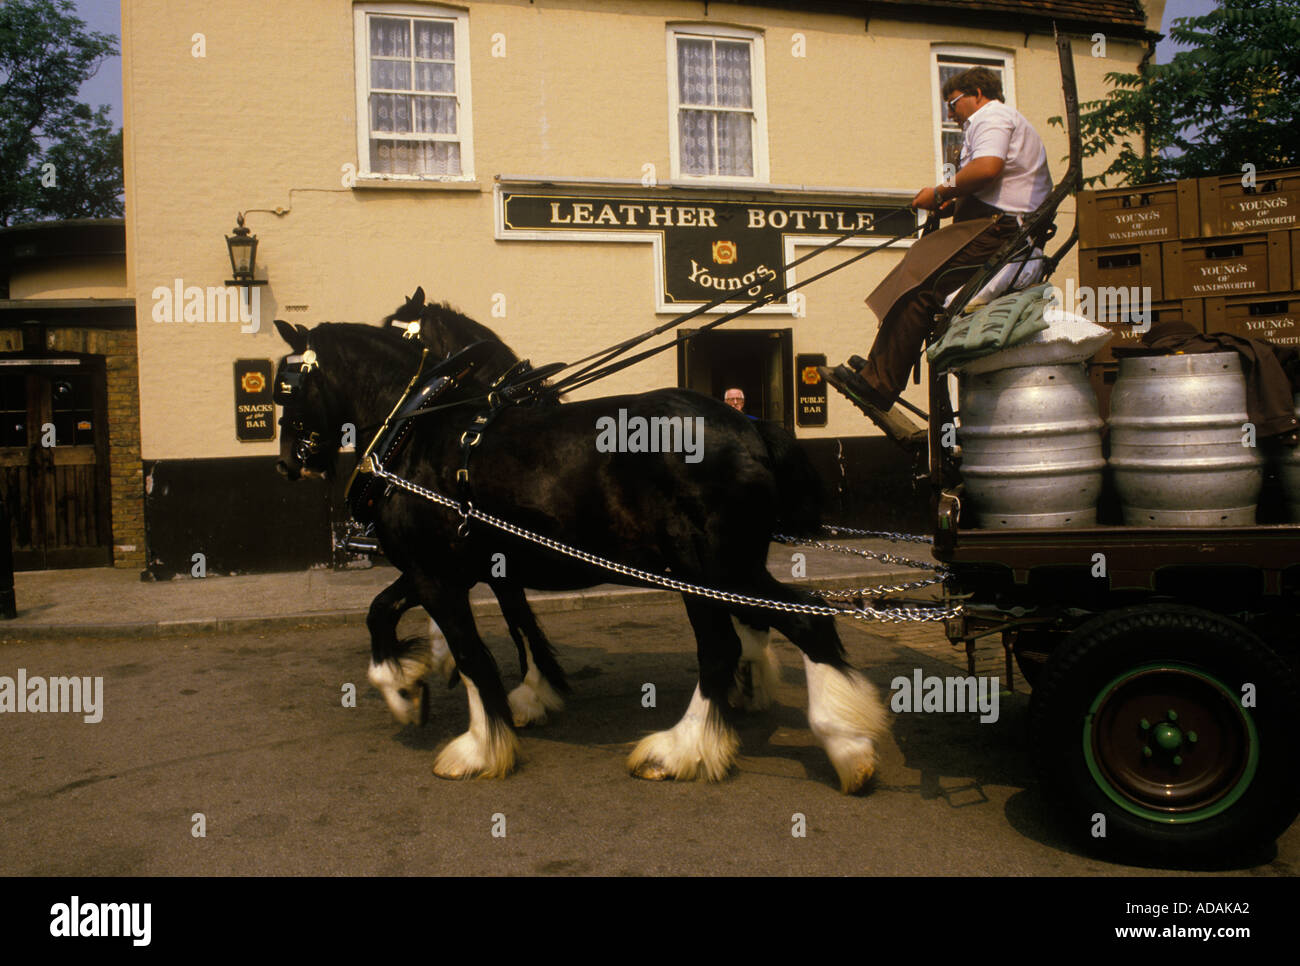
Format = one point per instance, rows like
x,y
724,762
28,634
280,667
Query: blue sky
x,y
105,87
1174,10
106,16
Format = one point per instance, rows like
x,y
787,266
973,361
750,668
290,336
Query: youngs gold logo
x,y
725,253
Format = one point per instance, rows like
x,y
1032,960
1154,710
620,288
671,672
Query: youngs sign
x,y
705,249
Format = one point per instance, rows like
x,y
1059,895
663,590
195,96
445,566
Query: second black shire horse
x,y
575,473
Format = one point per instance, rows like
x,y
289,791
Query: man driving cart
x,y
1002,176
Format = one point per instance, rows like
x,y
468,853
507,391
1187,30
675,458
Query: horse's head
x,y
311,427
410,310
443,330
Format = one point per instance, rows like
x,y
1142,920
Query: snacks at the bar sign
x,y
254,408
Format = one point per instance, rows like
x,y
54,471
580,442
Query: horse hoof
x,y
858,781
652,771
526,707
478,755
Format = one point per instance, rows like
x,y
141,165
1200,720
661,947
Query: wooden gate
x,y
54,461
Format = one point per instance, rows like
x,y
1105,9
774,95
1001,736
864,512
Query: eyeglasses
x,y
953,102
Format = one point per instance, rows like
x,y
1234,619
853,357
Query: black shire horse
x,y
397,667
580,473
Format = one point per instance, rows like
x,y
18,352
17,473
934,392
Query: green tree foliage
x,y
1229,100
58,158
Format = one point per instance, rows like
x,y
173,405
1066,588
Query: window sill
x,y
401,184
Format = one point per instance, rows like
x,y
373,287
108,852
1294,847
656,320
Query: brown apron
x,y
931,253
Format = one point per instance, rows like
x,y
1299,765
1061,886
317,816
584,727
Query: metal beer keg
x,y
1176,432
1031,447
1289,471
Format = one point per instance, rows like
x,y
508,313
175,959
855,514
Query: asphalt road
x,y
250,731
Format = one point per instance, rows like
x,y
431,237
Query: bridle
x,y
308,443
426,393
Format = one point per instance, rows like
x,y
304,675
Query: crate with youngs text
x,y
1236,204
1138,215
1227,265
1273,317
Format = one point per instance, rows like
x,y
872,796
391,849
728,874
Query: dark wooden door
x,y
759,362
53,462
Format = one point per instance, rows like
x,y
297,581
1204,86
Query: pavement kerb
x,y
541,602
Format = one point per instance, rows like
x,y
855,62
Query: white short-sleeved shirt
x,y
998,131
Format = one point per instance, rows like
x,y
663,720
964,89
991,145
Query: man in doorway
x,y
735,398
1002,176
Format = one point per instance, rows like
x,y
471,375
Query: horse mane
x,y
444,329
460,329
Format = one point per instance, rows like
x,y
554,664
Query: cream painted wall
x,y
265,120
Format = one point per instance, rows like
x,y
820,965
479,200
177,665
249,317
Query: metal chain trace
x,y
884,614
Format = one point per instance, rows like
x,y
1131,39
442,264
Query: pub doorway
x,y
54,461
757,361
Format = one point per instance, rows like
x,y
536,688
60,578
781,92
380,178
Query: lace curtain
x,y
715,74
416,56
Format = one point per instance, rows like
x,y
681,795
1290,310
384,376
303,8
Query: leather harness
x,y
424,391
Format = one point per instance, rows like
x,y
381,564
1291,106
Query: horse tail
x,y
799,488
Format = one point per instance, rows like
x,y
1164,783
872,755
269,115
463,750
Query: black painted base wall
x,y
246,518
241,514
867,482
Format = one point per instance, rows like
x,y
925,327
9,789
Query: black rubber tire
x,y
1232,789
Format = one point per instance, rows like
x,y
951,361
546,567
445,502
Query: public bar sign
x,y
705,248
254,407
810,390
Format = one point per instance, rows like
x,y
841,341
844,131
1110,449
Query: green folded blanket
x,y
1001,323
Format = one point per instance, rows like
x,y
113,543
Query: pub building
x,y
567,172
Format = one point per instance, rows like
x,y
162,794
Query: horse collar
x,y
364,491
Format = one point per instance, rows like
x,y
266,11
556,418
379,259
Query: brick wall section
x,y
126,470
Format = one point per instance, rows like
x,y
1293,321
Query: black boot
x,y
859,392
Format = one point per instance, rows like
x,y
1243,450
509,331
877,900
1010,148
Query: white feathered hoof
x,y
701,745
532,700
848,719
478,755
405,694
489,749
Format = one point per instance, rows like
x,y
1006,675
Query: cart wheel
x,y
1166,733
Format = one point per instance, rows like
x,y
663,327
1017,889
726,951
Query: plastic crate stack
x,y
1220,253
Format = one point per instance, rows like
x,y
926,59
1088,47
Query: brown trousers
x,y
909,320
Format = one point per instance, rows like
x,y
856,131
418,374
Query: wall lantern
x,y
243,255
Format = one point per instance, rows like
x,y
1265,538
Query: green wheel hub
x,y
1170,743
